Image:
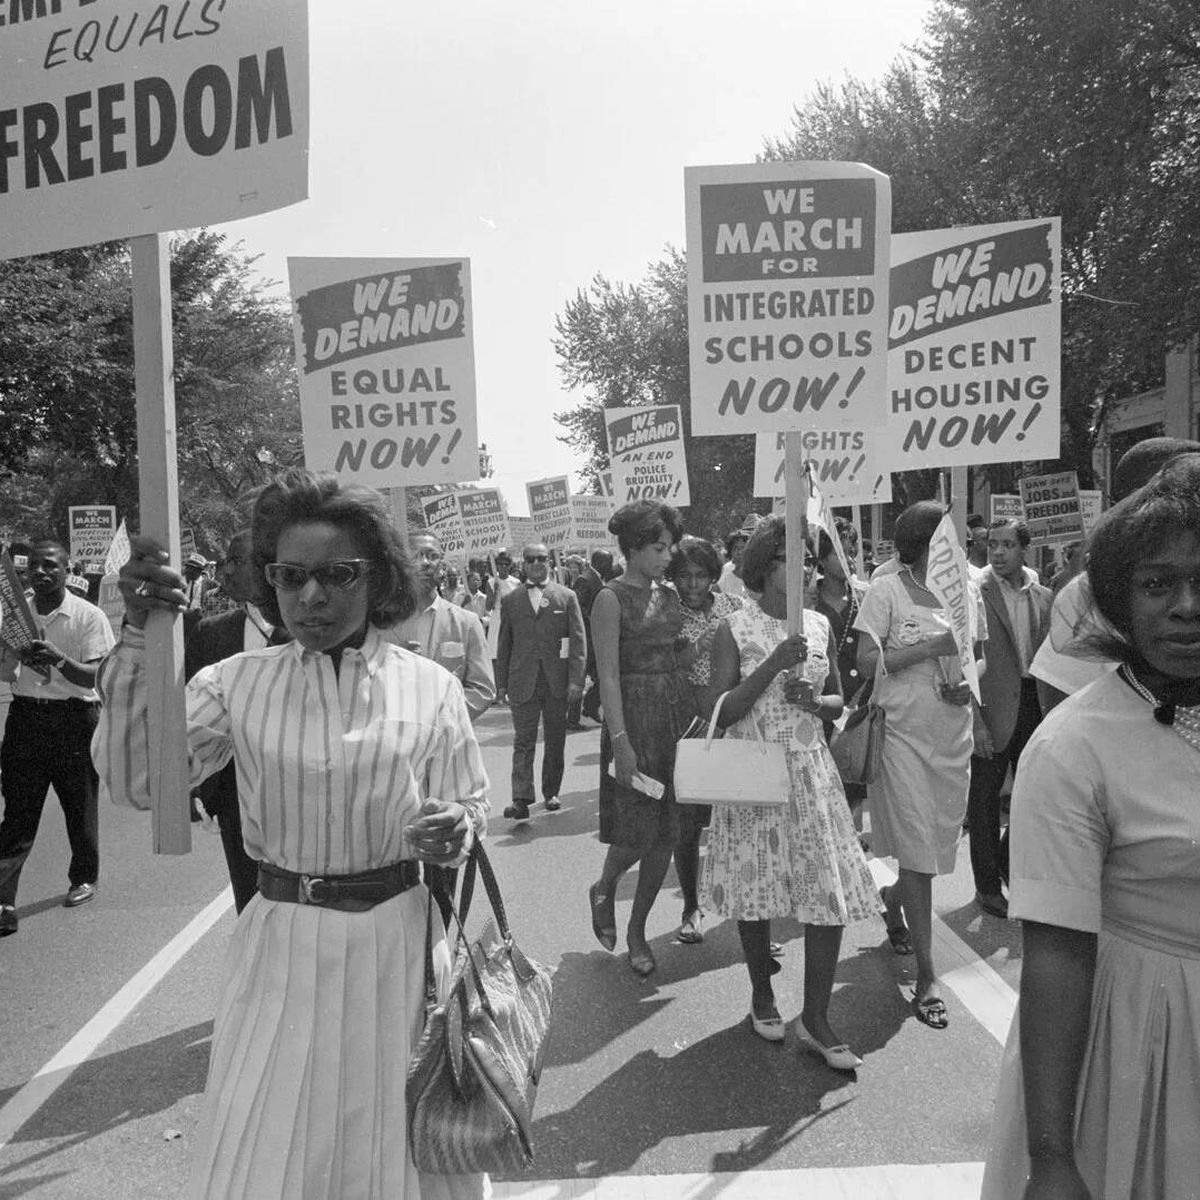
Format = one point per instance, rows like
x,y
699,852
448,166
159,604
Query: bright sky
x,y
545,140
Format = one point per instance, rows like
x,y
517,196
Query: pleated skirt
x,y
1137,1123
316,1021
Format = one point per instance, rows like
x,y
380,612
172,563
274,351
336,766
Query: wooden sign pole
x,y
795,482
959,502
158,486
399,500
856,521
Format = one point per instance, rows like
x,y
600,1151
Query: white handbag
x,y
730,770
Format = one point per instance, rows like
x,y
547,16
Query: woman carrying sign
x,y
918,803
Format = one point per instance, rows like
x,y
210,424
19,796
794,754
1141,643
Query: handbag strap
x,y
712,724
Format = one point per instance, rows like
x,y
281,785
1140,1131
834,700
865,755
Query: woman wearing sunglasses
x,y
354,758
801,859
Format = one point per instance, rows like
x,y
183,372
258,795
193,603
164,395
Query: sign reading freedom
x,y
129,118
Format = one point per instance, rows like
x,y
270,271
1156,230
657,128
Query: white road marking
x,y
984,993
83,1045
946,1181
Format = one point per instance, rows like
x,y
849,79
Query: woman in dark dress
x,y
637,627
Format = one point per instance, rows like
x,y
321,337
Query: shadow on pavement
x,y
986,935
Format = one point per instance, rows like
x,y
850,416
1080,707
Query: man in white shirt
x,y
48,732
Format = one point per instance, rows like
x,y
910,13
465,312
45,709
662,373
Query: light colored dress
x,y
1106,840
918,803
319,1008
802,858
501,587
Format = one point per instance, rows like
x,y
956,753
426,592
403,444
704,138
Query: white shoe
x,y
840,1058
770,1029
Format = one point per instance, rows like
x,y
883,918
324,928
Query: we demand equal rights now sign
x,y
387,369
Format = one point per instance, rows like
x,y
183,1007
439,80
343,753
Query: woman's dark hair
x,y
698,553
1134,530
767,540
643,523
914,528
302,497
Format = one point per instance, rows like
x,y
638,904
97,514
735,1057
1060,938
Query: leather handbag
x,y
474,1072
730,770
857,747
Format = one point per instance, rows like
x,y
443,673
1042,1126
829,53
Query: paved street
x,y
651,1089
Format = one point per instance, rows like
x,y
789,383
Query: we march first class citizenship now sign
x,y
787,296
124,117
384,350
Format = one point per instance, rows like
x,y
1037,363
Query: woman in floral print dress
x,y
801,859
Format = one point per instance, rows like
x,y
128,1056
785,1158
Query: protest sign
x,y
550,510
444,521
187,542
1091,505
589,521
787,296
119,550
522,532
1052,509
111,602
92,527
947,577
606,484
849,466
974,345
387,368
132,119
645,450
485,521
18,630
1002,505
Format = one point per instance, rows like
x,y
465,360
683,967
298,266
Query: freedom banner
x,y
387,369
947,577
787,296
92,529
645,451
550,510
444,521
129,118
849,466
589,521
119,550
485,521
1052,508
974,345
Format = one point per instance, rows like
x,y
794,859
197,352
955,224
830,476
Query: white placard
x,y
849,466
550,510
645,450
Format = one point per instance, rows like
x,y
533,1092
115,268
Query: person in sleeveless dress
x,y
648,704
801,859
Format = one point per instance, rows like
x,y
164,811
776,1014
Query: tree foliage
x,y
1084,109
68,420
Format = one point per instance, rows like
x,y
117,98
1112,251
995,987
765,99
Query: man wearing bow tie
x,y
540,667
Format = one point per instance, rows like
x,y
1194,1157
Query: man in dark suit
x,y
540,667
586,588
211,640
1018,616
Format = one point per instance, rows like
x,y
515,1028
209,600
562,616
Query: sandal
x,y
931,1011
692,929
602,910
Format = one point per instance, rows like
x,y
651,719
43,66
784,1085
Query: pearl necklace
x,y
1186,721
919,586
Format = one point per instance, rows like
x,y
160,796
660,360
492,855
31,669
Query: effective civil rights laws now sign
x,y
787,296
385,354
127,117
974,337
645,450
92,529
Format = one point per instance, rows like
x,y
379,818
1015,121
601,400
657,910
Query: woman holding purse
x,y
801,859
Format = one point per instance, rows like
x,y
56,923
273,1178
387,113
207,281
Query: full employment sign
x,y
124,117
387,369
787,296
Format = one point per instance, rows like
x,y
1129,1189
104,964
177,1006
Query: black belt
x,y
346,893
68,701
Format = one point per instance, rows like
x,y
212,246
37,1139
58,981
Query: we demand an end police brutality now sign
x,y
124,117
